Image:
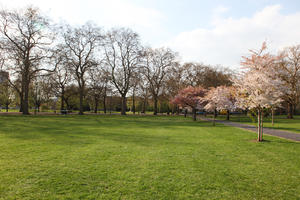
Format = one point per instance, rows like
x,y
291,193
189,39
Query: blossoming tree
x,y
220,98
191,97
259,86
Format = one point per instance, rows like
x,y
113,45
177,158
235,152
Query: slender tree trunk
x,y
290,111
262,126
21,101
7,107
272,110
194,114
104,103
177,110
25,109
155,105
168,109
133,104
259,125
144,106
185,113
214,120
96,105
62,103
215,113
81,91
228,115
124,106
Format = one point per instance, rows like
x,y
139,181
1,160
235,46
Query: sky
x,y
216,32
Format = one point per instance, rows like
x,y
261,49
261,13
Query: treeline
x,y
64,67
85,67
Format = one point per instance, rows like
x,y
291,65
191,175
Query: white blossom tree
x,y
220,98
259,86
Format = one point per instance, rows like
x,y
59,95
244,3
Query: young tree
x,y
122,54
81,44
157,63
259,87
220,98
25,38
190,97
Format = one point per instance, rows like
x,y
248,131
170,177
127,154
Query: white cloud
x,y
229,39
106,13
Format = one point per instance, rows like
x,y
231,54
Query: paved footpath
x,y
269,131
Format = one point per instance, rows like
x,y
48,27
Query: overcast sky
x,y
208,31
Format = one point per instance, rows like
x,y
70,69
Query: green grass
x,y
115,157
280,122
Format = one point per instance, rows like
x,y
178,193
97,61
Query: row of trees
x,y
45,61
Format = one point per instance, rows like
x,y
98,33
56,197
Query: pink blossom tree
x,y
220,98
259,86
191,97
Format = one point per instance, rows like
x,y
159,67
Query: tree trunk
x,y
168,109
7,107
272,110
25,108
259,126
185,113
124,106
96,105
214,120
194,114
177,110
290,111
228,115
155,105
262,125
133,104
215,113
21,102
104,103
80,101
62,103
144,106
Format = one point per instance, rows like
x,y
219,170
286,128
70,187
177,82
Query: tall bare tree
x,y
198,74
289,72
81,44
61,77
122,52
25,38
99,78
158,62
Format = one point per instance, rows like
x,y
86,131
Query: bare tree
x,y
289,73
61,76
81,44
198,74
122,52
99,78
157,64
25,38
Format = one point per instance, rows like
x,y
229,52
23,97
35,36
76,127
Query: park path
x,y
269,131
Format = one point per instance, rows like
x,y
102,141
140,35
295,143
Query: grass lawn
x,y
280,122
115,157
